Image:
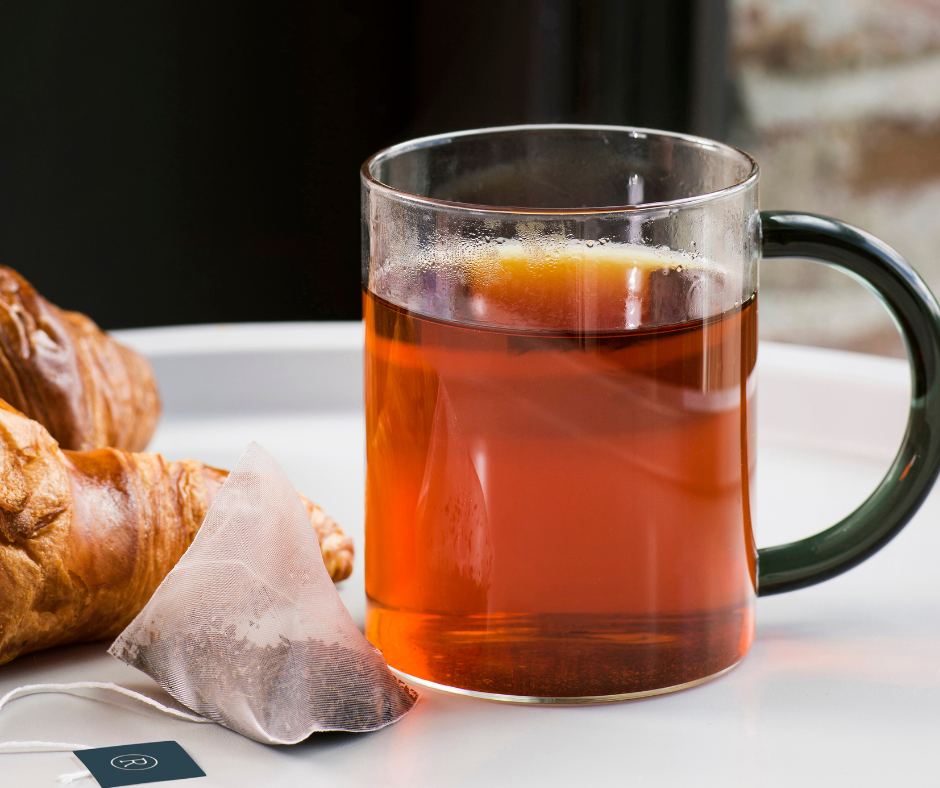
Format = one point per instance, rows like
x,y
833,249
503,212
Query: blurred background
x,y
171,163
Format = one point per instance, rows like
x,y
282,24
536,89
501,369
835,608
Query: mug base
x,y
562,701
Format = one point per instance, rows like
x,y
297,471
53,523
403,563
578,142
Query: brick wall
x,y
839,100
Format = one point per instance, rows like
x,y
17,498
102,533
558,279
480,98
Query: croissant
x,y
60,369
86,537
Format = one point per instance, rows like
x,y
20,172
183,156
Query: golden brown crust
x,y
335,547
61,370
38,598
86,537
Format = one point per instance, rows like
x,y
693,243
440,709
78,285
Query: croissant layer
x,y
86,537
61,370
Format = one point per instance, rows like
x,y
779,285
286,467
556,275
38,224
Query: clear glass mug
x,y
561,332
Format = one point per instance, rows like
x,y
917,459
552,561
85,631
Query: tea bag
x,y
248,629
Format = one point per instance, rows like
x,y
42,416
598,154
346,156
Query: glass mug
x,y
561,332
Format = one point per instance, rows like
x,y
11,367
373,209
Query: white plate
x,y
842,686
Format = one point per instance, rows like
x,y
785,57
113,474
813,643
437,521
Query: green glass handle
x,y
914,470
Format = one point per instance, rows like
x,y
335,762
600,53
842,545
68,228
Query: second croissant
x,y
60,369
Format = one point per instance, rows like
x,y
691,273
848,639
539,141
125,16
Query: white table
x,y
842,686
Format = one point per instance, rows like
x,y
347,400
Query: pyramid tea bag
x,y
248,629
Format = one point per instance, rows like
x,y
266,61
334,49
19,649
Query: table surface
x,y
842,685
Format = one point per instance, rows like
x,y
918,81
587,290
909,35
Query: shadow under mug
x,y
561,332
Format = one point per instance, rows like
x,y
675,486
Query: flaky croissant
x,y
60,369
86,537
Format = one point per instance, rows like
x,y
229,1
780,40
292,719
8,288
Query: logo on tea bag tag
x,y
133,764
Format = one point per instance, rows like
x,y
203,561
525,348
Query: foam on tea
x,y
589,285
555,473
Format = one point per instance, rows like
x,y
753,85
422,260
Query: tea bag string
x,y
47,746
32,689
52,746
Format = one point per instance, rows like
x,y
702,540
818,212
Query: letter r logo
x,y
133,762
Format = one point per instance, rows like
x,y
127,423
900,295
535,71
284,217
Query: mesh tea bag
x,y
248,629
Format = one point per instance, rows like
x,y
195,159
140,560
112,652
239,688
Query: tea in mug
x,y
559,478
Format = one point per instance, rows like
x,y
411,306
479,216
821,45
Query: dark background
x,y
191,162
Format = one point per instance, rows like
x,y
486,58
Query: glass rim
x,y
638,132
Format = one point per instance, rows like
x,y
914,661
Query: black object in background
x,y
191,162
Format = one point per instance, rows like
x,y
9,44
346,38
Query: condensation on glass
x,y
561,335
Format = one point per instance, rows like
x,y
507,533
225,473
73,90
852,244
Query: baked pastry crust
x,y
86,537
61,370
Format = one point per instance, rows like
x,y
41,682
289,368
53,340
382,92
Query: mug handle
x,y
889,508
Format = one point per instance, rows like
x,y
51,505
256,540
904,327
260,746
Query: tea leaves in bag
x,y
248,629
